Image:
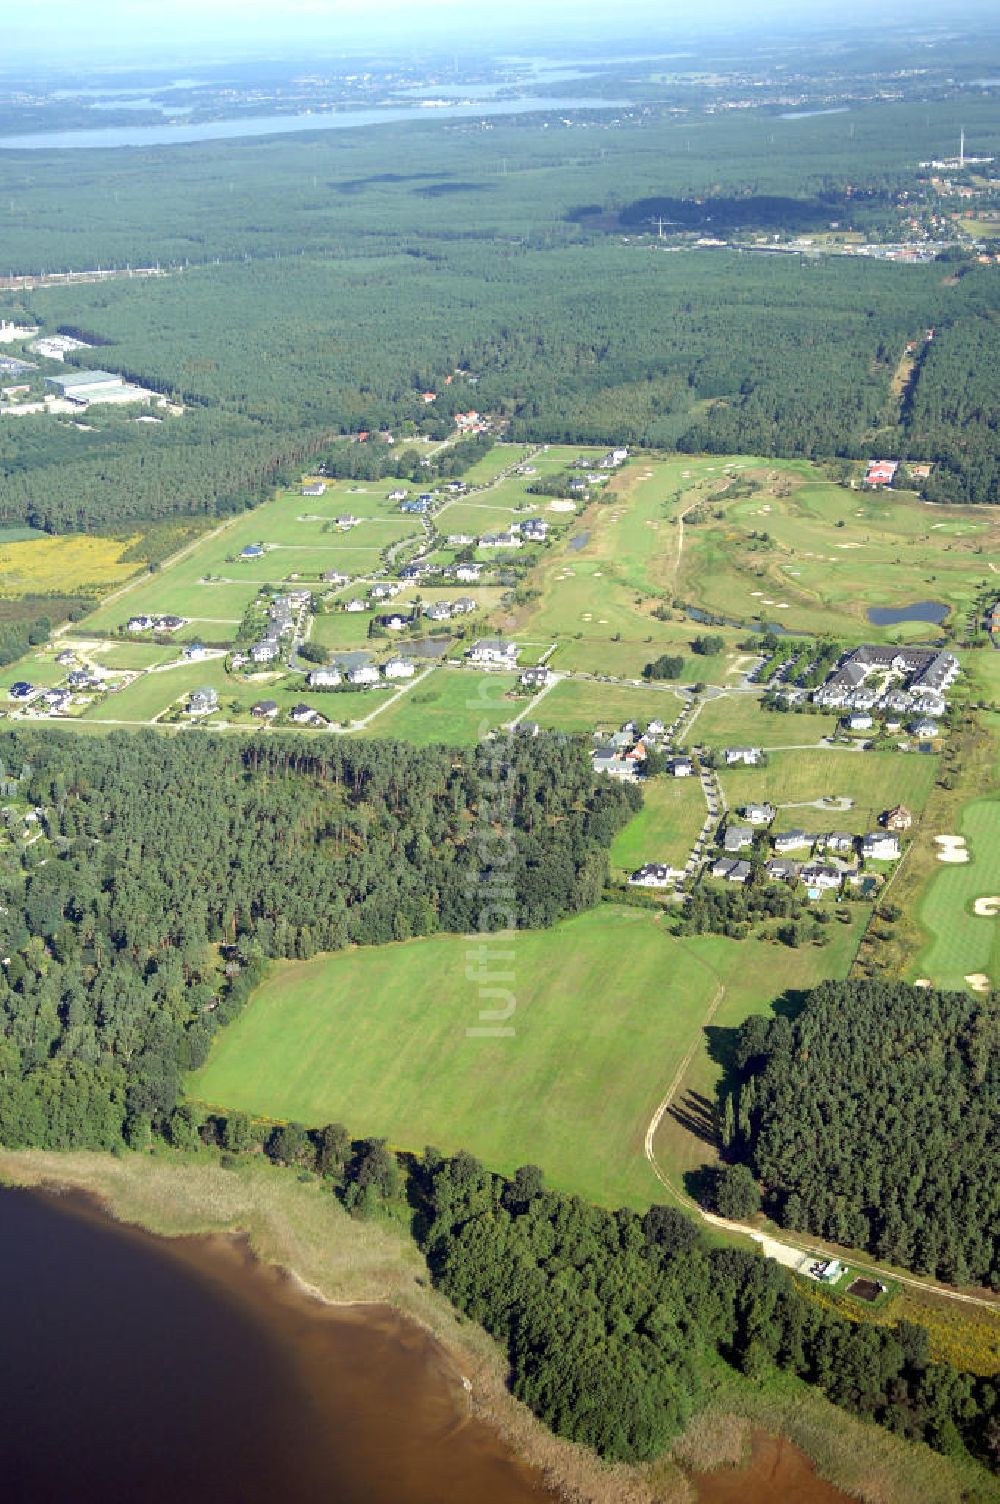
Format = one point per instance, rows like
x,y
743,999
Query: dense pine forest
x,y
612,1321
316,287
874,1119
154,876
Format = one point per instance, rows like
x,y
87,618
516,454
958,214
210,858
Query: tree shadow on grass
x,y
722,1043
696,1114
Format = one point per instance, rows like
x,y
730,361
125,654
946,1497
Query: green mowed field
x,y
156,693
963,943
454,706
150,696
738,720
584,705
874,780
586,653
983,669
598,587
665,828
342,629
214,604
499,458
212,584
605,1006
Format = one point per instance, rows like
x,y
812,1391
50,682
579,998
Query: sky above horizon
x,y
63,33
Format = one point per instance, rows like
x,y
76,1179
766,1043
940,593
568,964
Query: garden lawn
x,y
384,1039
738,720
586,706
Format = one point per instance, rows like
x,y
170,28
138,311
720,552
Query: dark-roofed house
x,y
264,710
680,767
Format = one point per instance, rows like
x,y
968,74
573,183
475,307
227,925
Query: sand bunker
x,y
978,981
986,907
587,616
923,982
781,606
756,592
951,849
562,506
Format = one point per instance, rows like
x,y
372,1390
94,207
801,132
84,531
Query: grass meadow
x,y
665,828
738,720
873,780
581,705
456,706
608,1005
384,1039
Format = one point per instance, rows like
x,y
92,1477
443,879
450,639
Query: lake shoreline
x,y
372,1268
299,1232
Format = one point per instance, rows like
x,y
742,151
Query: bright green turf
x,y
738,720
606,1006
961,942
582,705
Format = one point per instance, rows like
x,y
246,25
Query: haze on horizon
x,y
117,33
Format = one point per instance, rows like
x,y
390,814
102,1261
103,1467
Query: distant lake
x,y
840,109
274,125
891,616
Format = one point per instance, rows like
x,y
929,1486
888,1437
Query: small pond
x,y
891,616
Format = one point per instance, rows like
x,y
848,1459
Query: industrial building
x,y
85,387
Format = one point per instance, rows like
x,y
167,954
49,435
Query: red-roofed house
x,y
881,472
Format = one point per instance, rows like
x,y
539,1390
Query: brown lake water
x,y
144,1370
150,1370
